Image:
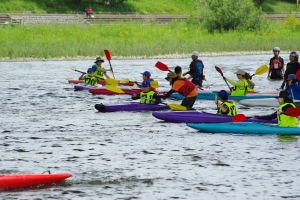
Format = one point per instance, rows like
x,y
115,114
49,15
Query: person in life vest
x,y
291,68
226,107
146,77
178,71
240,87
184,87
89,78
276,69
99,70
146,95
285,102
251,84
293,87
196,70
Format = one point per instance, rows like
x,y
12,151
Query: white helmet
x,y
276,49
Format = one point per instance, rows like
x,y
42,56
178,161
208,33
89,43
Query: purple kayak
x,y
200,117
84,86
135,106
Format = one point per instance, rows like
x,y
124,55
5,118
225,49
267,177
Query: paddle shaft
x,y
220,71
108,57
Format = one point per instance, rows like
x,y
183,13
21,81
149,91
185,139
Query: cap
x,y
99,59
171,75
146,84
147,73
291,77
282,94
90,70
223,94
276,49
240,71
195,53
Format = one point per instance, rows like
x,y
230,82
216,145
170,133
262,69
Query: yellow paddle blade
x,y
111,81
114,89
216,98
176,107
261,70
71,68
154,84
125,80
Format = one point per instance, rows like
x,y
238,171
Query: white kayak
x,y
267,102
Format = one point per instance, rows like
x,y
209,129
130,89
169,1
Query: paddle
x,y
238,118
71,68
261,70
162,66
111,81
120,91
220,71
153,84
108,57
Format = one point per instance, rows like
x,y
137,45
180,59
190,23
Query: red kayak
x,y
24,180
108,92
102,82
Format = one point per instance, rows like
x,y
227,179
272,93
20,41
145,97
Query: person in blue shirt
x,y
196,70
293,87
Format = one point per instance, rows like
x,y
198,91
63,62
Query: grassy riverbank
x,y
136,39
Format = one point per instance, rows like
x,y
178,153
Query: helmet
x,y
294,53
276,49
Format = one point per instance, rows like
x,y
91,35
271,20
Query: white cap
x,y
195,53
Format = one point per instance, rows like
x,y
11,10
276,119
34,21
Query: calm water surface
x,y
45,125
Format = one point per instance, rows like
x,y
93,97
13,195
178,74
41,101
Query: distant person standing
x,y
291,68
88,11
196,70
107,4
276,69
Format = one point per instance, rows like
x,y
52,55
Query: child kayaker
x,y
147,96
285,102
184,87
226,107
293,87
89,77
99,70
240,87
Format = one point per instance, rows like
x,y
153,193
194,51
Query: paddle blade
x,y
111,81
107,54
154,84
71,68
176,107
219,70
298,75
125,80
293,112
162,66
216,98
261,70
238,118
114,89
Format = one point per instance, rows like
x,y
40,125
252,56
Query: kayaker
x,y
293,87
146,77
251,84
89,77
196,70
291,68
184,87
276,69
178,71
99,70
226,107
240,87
285,102
146,95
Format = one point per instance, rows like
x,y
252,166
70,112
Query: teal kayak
x,y
246,128
211,96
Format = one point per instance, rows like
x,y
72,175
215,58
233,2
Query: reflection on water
x,y
45,125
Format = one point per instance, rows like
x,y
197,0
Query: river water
x,y
45,125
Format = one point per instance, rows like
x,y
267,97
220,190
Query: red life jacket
x,y
192,66
187,88
276,63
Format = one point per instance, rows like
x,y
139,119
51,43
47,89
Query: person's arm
x,y
169,94
156,99
251,83
135,96
266,117
82,77
106,75
137,84
239,83
224,108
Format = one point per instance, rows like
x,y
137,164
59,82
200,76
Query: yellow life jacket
x,y
237,91
146,97
230,106
99,74
286,120
90,80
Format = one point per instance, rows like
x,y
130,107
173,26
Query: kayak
x,y
84,86
211,96
245,127
133,106
267,102
200,117
102,82
108,92
24,180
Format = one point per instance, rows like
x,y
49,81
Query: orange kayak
x,y
25,180
102,82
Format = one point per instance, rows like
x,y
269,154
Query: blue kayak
x,y
245,127
211,96
134,106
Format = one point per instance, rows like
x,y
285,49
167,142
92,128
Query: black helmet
x,y
294,53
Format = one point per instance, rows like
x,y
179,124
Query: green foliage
x,y
225,15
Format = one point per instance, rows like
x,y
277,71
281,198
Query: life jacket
x,y
187,88
236,91
231,108
276,63
146,97
193,66
286,120
97,73
90,80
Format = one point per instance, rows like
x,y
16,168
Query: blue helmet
x,y
223,94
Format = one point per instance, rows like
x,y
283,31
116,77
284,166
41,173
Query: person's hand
x,y
153,100
253,116
134,95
